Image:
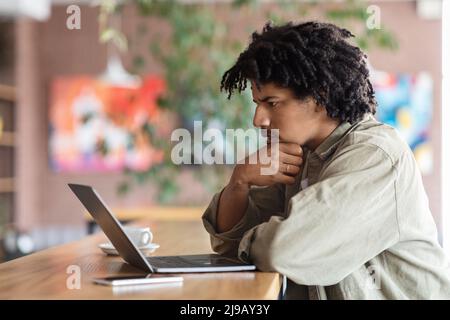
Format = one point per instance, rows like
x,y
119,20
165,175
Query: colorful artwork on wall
x,y
98,127
406,102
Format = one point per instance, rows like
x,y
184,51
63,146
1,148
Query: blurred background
x,y
90,92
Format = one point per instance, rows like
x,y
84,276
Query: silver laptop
x,y
131,254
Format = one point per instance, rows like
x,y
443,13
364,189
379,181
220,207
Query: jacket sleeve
x,y
335,225
263,202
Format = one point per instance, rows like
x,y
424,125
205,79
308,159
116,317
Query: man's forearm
x,y
232,205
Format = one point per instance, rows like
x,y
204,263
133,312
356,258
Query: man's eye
x,y
273,104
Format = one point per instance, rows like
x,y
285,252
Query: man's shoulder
x,y
372,134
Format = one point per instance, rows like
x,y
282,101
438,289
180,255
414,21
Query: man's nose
x,y
261,118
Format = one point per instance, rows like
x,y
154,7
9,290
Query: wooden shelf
x,y
156,213
7,93
6,139
6,185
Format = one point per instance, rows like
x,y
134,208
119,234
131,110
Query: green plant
x,y
368,38
195,56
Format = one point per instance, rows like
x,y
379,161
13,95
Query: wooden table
x,y
43,275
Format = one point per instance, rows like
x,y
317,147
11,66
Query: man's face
x,y
277,108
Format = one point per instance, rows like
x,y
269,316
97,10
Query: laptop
x,y
131,254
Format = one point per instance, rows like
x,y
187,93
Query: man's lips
x,y
267,134
269,140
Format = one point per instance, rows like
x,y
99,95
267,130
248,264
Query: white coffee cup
x,y
139,236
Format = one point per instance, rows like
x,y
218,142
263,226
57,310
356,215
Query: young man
x,y
346,216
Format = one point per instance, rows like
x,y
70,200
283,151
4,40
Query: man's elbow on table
x,y
300,266
226,248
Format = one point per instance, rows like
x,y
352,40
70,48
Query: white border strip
x,y
445,125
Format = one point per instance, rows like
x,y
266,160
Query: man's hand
x,y
289,163
234,198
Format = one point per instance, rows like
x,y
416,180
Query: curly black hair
x,y
313,59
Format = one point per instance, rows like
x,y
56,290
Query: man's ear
x,y
313,105
317,107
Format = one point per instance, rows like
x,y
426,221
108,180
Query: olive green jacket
x,y
355,225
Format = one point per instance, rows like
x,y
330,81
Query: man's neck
x,y
322,133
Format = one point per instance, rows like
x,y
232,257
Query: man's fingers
x,y
284,179
289,169
290,159
291,148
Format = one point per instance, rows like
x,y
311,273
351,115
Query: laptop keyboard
x,y
172,262
202,260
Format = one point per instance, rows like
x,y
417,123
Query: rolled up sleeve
x,y
263,202
335,225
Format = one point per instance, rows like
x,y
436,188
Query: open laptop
x,y
131,254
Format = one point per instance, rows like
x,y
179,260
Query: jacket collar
x,y
329,145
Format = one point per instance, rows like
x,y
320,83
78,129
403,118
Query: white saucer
x,y
109,249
